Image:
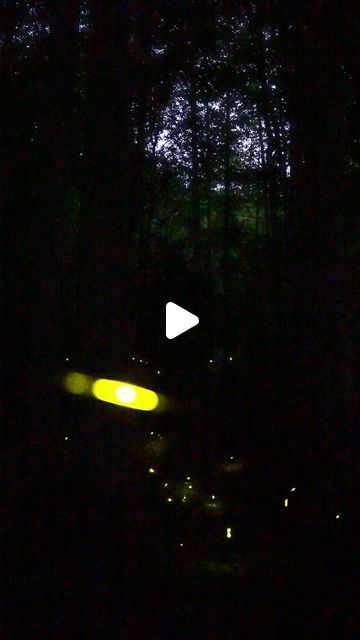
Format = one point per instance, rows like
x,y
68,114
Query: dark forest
x,y
207,153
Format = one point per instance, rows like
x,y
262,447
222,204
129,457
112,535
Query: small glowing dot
x,y
190,486
293,489
184,498
213,497
125,393
210,361
133,358
231,457
166,484
158,373
151,470
169,499
188,478
66,437
230,358
181,544
228,532
151,433
66,359
338,516
286,502
141,361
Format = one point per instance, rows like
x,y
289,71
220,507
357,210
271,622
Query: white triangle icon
x,y
178,320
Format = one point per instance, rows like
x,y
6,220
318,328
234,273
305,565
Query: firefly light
x,y
228,532
126,395
166,484
78,383
169,499
293,489
213,497
286,502
188,478
338,516
151,470
66,437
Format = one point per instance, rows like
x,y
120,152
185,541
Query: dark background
x,y
205,153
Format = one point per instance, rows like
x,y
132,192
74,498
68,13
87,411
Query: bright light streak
x,y
125,395
228,532
338,516
293,489
151,470
286,502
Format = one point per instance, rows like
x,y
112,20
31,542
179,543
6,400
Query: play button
x,y
178,320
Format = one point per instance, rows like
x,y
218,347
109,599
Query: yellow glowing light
x,y
293,489
228,532
188,478
286,502
181,544
213,497
169,499
151,470
78,383
338,516
166,484
190,486
125,395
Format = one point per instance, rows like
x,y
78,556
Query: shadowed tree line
x,y
204,146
